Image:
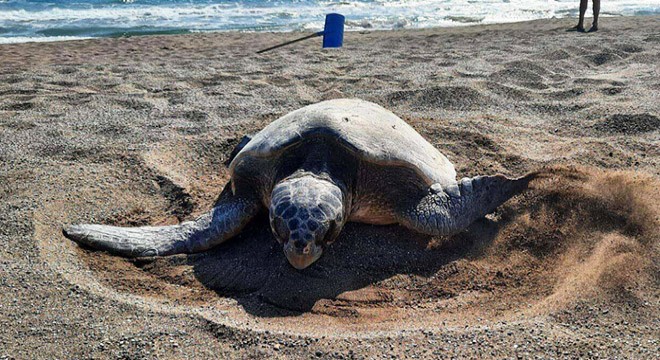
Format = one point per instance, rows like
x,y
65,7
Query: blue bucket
x,y
333,33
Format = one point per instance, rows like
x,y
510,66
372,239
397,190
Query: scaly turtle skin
x,y
315,169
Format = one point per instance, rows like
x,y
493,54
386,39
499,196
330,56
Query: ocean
x,y
52,20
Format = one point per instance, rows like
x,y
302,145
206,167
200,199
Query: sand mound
x,y
522,73
577,235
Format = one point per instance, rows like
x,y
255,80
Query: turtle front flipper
x,y
449,210
230,214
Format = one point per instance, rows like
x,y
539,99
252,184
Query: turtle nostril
x,y
299,244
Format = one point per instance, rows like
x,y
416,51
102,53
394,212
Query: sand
x,y
135,131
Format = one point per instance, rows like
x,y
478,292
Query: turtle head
x,y
306,215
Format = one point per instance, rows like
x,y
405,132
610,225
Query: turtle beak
x,y
302,255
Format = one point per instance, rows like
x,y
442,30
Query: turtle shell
x,y
370,131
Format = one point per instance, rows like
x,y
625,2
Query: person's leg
x,y
583,10
594,26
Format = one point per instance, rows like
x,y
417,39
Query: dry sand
x,y
135,131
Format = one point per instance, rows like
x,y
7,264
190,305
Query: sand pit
x,y
579,233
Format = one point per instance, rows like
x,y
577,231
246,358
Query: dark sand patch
x,y
451,97
628,124
20,106
603,58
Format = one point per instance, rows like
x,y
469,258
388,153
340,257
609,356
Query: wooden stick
x,y
291,42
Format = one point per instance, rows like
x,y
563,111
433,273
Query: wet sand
x,y
136,131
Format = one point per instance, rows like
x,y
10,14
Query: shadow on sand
x,y
253,270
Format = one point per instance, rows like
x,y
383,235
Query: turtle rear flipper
x,y
225,220
449,210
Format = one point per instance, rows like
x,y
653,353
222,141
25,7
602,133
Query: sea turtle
x,y
315,169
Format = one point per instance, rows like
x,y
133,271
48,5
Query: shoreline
x,y
129,34
526,24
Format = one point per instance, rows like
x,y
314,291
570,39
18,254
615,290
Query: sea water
x,y
46,20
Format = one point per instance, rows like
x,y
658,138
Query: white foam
x,y
24,39
432,10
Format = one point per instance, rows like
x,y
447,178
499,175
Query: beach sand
x,y
136,131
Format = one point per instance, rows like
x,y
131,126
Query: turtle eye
x,y
331,234
280,229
